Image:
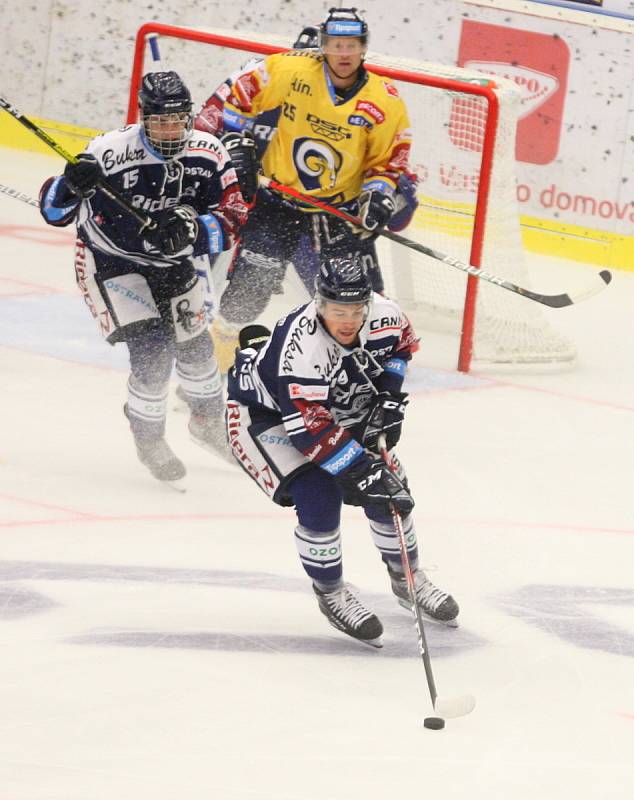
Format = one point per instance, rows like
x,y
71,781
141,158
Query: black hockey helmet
x,y
163,100
308,39
343,22
342,279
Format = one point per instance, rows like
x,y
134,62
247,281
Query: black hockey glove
x,y
175,229
83,176
375,210
255,336
374,486
385,417
244,157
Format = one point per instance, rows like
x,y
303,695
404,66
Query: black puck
x,y
435,723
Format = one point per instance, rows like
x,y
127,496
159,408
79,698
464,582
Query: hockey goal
x,y
464,127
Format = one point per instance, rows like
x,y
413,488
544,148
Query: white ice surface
x,y
156,645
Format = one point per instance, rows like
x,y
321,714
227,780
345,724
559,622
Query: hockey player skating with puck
x,y
146,286
334,131
306,408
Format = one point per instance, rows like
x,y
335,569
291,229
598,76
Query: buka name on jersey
x,y
152,185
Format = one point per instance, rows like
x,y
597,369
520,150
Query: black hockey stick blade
x,y
571,298
552,300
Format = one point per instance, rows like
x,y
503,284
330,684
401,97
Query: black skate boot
x,y
154,453
433,602
209,432
345,612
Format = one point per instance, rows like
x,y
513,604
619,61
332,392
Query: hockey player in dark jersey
x,y
343,136
146,286
306,407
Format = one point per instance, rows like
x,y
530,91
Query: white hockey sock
x,y
320,554
148,404
386,540
201,383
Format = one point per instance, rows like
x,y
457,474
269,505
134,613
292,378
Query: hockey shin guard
x,y
320,554
146,408
202,385
386,541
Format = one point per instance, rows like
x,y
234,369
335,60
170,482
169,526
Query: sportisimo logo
x,y
348,455
535,87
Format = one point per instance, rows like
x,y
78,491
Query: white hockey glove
x,y
176,229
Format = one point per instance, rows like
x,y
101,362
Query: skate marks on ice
x,y
58,326
579,615
328,645
400,639
16,602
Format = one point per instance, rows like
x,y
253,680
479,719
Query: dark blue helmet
x,y
162,94
343,280
308,39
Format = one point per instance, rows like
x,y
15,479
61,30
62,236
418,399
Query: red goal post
x,y
464,111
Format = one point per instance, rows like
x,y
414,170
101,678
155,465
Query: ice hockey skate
x,y
346,613
208,432
154,453
433,602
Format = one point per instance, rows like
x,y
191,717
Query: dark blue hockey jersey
x,y
201,178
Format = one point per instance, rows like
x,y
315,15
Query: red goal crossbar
x,y
484,89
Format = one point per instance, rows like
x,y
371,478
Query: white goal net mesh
x,y
448,128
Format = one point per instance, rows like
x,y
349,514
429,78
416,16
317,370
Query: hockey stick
x,y
599,282
119,199
18,195
445,707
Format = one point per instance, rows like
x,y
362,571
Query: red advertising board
x,y
538,64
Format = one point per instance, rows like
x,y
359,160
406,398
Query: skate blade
x,y
220,452
447,623
377,643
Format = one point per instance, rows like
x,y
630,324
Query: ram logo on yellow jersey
x,y
317,163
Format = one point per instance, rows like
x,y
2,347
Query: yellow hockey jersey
x,y
324,146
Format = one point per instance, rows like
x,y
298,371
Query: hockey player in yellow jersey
x,y
342,135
